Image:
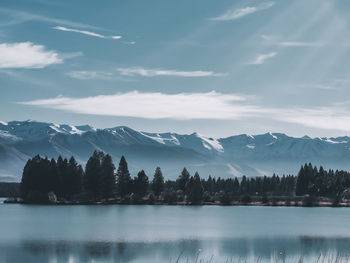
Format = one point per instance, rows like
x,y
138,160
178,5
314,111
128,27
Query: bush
x,y
34,196
246,199
151,199
308,201
264,199
225,199
170,197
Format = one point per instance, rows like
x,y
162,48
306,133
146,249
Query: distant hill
x,y
252,155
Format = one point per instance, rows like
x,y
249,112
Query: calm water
x,y
33,233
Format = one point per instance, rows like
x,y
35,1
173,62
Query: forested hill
x,y
65,180
250,155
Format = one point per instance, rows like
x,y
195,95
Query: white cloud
x,y
22,16
133,71
241,12
129,42
210,105
328,118
274,40
85,32
260,59
86,75
299,44
26,55
317,86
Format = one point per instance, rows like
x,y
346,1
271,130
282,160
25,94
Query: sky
x,y
215,67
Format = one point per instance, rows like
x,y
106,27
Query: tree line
x,y
101,181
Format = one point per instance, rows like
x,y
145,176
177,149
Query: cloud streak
x,y
261,58
88,75
273,40
138,71
85,32
27,55
22,16
185,106
241,12
299,44
189,106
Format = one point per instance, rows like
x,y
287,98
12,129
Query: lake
x,y
39,233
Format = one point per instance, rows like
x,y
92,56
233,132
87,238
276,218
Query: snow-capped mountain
x,y
252,155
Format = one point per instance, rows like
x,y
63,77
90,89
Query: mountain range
x,y
251,155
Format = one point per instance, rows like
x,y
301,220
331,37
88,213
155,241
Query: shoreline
x,y
217,203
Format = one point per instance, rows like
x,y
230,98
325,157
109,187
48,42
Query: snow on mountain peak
x,y
272,135
3,123
164,138
69,129
210,143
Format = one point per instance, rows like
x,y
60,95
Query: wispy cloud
x,y
260,59
317,86
276,41
138,71
86,75
27,55
210,105
299,44
85,32
241,12
21,76
23,16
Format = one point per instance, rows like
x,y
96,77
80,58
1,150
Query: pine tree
x,y
92,174
243,188
182,180
62,165
141,184
36,183
194,189
107,183
158,182
54,177
124,182
302,181
71,179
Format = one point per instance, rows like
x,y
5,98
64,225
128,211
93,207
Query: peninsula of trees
x,y
64,181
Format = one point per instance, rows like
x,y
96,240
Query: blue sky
x,y
216,67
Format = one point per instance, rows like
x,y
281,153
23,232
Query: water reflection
x,y
224,250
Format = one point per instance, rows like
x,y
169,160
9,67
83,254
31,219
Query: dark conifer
x,y
182,180
107,184
124,182
194,189
92,175
158,182
141,184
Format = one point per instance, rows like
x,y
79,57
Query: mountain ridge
x,y
251,155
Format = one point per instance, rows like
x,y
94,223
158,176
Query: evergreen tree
x,y
72,178
124,182
194,189
36,183
243,188
92,174
302,181
107,184
182,180
158,182
235,187
141,184
54,177
62,165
